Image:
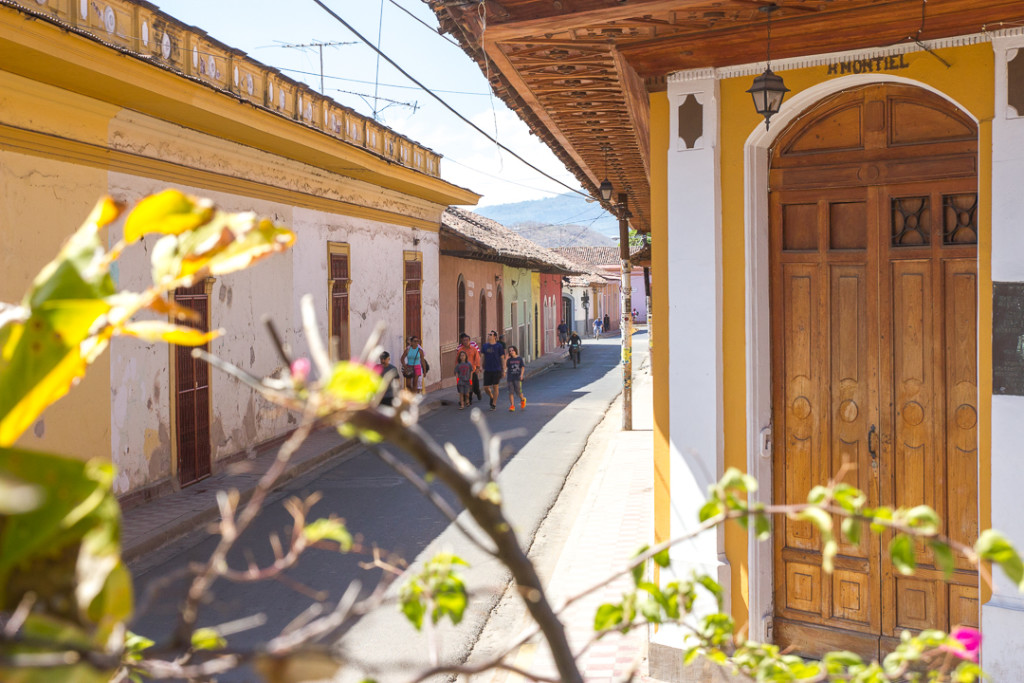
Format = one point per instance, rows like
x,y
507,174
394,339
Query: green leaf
x,y
924,519
851,529
331,530
828,555
993,546
712,508
818,517
607,616
662,558
849,498
901,550
207,639
413,608
818,495
762,526
734,479
943,555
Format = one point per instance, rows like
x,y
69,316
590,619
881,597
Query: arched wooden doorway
x,y
873,243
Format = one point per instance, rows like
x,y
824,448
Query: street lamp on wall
x,y
606,185
768,88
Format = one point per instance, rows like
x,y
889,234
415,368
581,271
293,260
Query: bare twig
x,y
486,511
431,495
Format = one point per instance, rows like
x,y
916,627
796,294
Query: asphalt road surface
x,y
381,508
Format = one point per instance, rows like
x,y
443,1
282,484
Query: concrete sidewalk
x,y
614,520
155,523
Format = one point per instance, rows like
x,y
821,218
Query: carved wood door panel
x,y
874,310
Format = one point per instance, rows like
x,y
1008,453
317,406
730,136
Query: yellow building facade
x,y
120,99
837,290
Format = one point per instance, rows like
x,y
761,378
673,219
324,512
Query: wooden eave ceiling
x,y
578,71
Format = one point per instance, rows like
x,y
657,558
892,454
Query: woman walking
x,y
412,359
515,369
464,378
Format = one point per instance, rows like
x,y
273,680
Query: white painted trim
x,y
758,330
755,68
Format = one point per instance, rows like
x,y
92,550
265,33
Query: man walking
x,y
494,366
563,334
473,356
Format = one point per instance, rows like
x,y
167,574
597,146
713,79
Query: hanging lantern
x,y
768,88
768,91
606,189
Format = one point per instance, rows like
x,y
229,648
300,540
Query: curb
x,y
188,523
184,526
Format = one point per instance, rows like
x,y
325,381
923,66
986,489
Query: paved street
x,y
564,406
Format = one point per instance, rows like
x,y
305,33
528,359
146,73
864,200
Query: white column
x,y
1002,617
694,293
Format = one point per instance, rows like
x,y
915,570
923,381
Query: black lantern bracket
x,y
768,89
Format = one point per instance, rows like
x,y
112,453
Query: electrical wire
x,y
431,28
447,106
383,85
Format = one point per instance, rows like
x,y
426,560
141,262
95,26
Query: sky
x,y
262,27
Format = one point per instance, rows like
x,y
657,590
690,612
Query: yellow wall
x,y
969,81
659,321
39,192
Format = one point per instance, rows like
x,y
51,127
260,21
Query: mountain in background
x,y
567,220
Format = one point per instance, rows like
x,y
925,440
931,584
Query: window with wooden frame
x,y
338,280
413,276
461,298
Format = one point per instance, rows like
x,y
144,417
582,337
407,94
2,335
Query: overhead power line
x,y
447,106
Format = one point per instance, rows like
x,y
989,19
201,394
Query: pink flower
x,y
300,370
964,642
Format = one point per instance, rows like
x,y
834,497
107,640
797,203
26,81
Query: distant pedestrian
x,y
412,365
494,366
607,323
388,373
473,354
515,370
563,334
597,328
464,378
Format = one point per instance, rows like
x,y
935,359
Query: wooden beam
x,y
637,106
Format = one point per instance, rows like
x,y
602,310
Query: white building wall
x,y
141,431
1002,617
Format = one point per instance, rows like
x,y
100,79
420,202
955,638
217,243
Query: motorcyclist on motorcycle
x,y
575,347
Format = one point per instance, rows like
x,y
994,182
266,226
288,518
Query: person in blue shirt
x,y
515,368
494,366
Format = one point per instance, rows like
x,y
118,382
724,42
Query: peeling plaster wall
x,y
241,419
122,409
377,286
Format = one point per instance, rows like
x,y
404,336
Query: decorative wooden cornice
x,y
578,71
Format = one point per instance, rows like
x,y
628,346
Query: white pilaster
x,y
1002,617
695,329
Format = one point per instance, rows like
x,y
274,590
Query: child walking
x,y
515,370
464,376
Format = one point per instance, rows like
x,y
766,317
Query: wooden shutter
x,y
339,303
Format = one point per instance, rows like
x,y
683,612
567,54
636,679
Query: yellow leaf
x,y
50,388
169,213
158,330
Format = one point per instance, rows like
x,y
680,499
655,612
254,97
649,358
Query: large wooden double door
x,y
874,346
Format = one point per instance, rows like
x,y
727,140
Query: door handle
x,y
872,440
